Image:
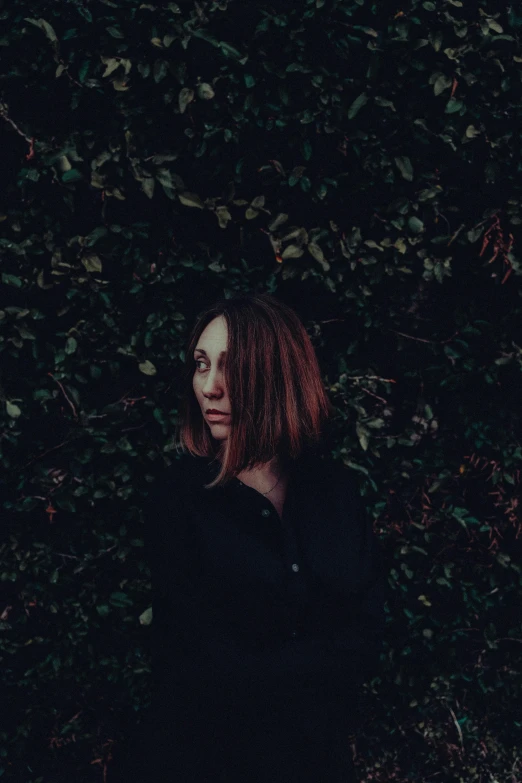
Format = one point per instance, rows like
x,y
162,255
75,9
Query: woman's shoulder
x,y
184,473
169,496
335,471
323,476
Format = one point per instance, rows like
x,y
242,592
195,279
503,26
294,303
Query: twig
x,y
65,394
53,448
370,378
3,113
422,340
458,727
373,395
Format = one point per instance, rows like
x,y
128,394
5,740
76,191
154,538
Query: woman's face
x,y
208,381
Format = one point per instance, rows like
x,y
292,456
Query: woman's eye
x,y
198,361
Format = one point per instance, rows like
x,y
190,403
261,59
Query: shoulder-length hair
x,y
278,403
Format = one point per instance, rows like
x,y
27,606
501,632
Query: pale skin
x,y
210,390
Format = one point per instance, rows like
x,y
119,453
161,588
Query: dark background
x,y
360,161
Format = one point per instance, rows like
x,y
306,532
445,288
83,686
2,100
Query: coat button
x,y
294,634
265,512
295,567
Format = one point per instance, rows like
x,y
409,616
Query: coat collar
x,y
324,502
300,470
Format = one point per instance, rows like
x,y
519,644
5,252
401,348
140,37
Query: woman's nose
x,y
212,382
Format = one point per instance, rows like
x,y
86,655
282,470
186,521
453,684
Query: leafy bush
x,y
359,161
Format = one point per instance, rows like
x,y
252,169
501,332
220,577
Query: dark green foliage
x,y
361,161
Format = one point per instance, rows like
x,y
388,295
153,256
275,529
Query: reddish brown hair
x,y
278,402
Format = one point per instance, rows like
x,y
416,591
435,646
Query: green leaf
x,y
83,70
186,95
205,91
120,599
191,199
292,251
148,184
380,101
405,167
442,83
114,32
453,105
439,272
12,409
435,38
25,333
45,26
357,104
96,234
229,50
158,415
375,424
11,280
71,345
147,368
318,254
362,434
92,263
111,64
223,216
67,504
146,617
73,175
415,225
84,12
160,70
493,25
281,218
472,132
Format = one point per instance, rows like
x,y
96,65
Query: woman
x,y
268,584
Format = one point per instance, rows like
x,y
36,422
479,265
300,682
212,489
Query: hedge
x,y
361,162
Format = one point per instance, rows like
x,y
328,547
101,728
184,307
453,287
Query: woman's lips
x,y
217,416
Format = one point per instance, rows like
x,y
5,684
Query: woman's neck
x,y
264,477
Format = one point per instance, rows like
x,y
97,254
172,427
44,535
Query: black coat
x,y
263,630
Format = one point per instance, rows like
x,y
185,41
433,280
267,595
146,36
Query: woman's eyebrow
x,y
201,350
